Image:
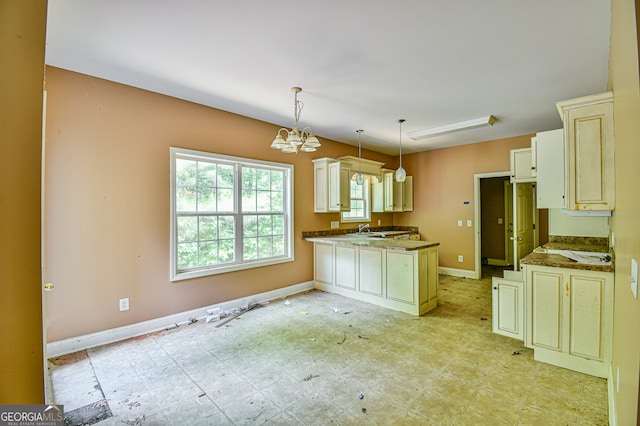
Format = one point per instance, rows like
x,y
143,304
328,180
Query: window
x,y
228,213
359,201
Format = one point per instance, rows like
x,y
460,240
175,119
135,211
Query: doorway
x,y
506,217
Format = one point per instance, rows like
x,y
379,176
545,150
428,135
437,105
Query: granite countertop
x,y
580,244
375,242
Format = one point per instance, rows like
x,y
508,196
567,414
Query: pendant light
x,y
359,177
401,174
296,140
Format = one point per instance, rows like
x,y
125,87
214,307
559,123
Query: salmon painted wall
x,y
22,45
443,181
107,202
624,79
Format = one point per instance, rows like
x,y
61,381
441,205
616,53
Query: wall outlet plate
x,y
124,304
460,258
335,224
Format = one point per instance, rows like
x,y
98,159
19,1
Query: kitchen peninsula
x,y
398,274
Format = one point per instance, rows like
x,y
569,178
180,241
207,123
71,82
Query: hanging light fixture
x,y
359,177
401,174
296,140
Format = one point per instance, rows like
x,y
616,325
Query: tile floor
x,y
325,359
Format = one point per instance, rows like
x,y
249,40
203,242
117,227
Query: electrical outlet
x,y
499,221
460,258
124,304
335,224
460,223
469,223
379,222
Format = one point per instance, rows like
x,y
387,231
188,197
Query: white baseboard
x,y
75,344
613,418
464,273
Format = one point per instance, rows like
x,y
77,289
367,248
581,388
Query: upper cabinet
x,y
331,185
589,152
522,165
391,195
550,167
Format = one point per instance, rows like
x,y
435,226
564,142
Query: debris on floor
x,y
483,319
361,396
193,320
515,353
304,313
344,337
237,314
287,302
336,310
309,377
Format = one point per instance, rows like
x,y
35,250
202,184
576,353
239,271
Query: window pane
x,y
187,229
186,199
208,227
278,224
277,204
250,247
208,253
225,251
265,247
226,226
278,245
185,172
206,200
225,200
249,200
187,255
249,178
264,225
277,180
264,201
225,176
264,179
206,174
250,226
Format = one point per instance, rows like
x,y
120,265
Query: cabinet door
x,y
323,263
520,161
401,276
338,183
550,166
377,197
546,309
428,279
320,188
507,308
586,316
590,157
387,180
407,201
346,262
371,271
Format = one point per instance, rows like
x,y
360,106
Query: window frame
x,y
366,200
177,274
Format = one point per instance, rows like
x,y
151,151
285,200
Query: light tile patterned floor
x,y
306,364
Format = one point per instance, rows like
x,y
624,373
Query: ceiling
x,y
362,64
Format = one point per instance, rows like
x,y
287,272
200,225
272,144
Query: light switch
x,y
634,278
460,223
469,223
499,221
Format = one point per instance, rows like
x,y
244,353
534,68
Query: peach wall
x,y
22,44
107,202
624,81
443,181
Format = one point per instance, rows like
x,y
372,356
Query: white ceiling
x,y
362,64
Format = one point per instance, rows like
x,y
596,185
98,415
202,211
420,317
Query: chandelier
x,y
296,140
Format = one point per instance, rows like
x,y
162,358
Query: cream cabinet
x,y
550,166
402,280
589,150
569,321
397,196
521,164
507,308
331,185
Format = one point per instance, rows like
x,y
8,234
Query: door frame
x,y
476,216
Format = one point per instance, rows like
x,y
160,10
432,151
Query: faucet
x,y
362,227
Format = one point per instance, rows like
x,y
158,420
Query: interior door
x,y
523,222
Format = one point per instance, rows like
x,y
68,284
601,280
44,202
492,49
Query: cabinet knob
x,y
495,288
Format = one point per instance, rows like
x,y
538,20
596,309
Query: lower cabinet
x,y
405,281
507,308
569,321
